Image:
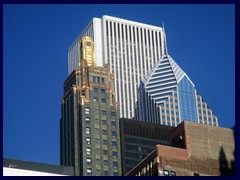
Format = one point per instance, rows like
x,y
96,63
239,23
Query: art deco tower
x,y
89,124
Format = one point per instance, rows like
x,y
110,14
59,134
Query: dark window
x,y
196,174
105,162
104,142
113,124
103,100
104,122
173,173
114,144
105,173
95,99
113,114
114,153
83,92
103,92
103,112
115,174
105,152
94,79
104,132
115,165
114,134
98,79
103,81
96,90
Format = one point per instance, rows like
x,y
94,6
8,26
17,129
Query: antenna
x,y
165,40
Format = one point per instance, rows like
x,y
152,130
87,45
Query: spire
x,y
165,41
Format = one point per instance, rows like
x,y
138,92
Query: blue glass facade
x,y
187,100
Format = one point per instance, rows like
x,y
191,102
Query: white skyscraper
x,y
130,48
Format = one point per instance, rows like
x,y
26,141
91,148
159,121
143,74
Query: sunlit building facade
x,y
130,48
167,96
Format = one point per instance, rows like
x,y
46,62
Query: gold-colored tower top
x,y
87,50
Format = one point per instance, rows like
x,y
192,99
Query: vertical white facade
x,y
130,48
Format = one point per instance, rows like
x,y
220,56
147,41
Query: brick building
x,y
196,150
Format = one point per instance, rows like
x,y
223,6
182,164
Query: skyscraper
x,y
90,140
168,96
130,48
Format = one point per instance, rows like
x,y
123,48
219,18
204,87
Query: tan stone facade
x,y
200,150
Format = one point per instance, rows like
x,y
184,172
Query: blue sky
x,y
200,38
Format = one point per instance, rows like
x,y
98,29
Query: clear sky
x,y
36,38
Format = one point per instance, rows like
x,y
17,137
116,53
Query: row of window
x,y
104,122
98,79
104,112
166,173
105,152
167,112
105,173
104,142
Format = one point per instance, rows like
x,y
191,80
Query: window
x,y
95,99
103,80
89,171
173,173
113,124
103,100
105,173
83,92
104,142
105,152
88,151
98,79
89,161
114,153
95,90
115,174
114,144
88,130
87,120
115,165
104,132
166,173
88,140
87,110
88,43
114,134
113,114
195,174
103,112
103,92
105,162
94,79
104,122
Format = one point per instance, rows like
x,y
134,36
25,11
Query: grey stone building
x,y
89,124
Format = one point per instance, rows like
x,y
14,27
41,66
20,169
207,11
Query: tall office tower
x,y
130,48
89,123
168,96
